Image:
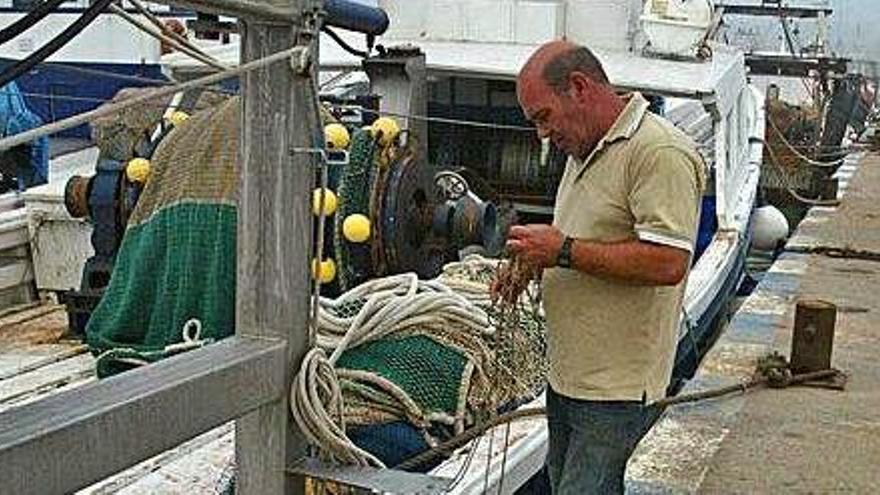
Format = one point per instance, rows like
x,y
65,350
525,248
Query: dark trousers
x,y
591,441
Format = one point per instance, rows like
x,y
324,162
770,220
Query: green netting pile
x,y
432,375
177,259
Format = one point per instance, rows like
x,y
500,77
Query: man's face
x,y
558,117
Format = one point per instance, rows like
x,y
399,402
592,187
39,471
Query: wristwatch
x,y
563,259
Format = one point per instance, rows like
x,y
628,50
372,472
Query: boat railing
x,y
78,437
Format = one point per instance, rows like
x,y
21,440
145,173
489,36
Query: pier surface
x,y
794,440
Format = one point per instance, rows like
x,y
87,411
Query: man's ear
x,y
582,88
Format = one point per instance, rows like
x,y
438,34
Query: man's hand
x,y
537,244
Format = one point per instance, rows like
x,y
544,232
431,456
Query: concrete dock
x,y
794,440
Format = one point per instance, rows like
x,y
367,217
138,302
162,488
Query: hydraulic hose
x,y
55,44
32,17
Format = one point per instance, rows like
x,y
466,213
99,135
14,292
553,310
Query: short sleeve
x,y
665,196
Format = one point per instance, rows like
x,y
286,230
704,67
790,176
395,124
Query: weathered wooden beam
x,y
278,114
73,439
790,66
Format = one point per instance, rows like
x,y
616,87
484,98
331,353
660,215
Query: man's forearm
x,y
635,262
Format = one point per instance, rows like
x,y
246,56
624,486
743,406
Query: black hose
x,y
32,17
55,44
341,42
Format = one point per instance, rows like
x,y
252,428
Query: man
x,y
614,262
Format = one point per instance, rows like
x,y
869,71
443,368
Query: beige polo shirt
x,y
609,340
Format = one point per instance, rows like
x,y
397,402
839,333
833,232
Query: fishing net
x,y
792,133
422,377
177,258
354,190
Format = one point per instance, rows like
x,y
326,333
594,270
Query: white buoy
x,y
769,227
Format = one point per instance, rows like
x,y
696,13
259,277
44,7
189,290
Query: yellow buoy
x,y
177,117
356,228
336,136
329,202
324,271
386,129
138,170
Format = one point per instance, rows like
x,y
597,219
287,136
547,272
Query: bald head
x,y
555,61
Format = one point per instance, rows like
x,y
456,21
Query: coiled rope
x,y
390,305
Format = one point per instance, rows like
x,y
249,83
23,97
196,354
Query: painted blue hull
x,y
55,93
702,335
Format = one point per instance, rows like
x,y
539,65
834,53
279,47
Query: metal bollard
x,y
813,338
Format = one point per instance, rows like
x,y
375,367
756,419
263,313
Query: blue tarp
x,y
16,117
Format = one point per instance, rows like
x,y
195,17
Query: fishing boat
x,y
472,52
461,59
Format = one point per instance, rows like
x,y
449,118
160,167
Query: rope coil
x,y
392,305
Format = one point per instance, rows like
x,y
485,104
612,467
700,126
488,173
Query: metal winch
x,y
107,199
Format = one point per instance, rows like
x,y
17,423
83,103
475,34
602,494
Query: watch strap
x,y
563,259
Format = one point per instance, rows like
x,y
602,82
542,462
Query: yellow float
x,y
356,228
138,170
330,202
336,137
324,271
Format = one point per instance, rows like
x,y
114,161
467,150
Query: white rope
x,y
392,304
786,179
191,338
167,31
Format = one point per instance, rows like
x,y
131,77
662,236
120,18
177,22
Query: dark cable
x,y
32,17
345,46
131,78
55,44
106,73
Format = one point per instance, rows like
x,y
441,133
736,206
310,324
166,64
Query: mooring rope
x,y
788,187
772,377
798,154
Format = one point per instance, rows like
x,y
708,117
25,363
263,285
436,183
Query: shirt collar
x,y
624,127
629,119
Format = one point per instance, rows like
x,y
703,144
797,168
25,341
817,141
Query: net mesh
x,y
177,258
427,371
354,191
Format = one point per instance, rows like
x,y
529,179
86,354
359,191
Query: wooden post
x,y
278,114
813,338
